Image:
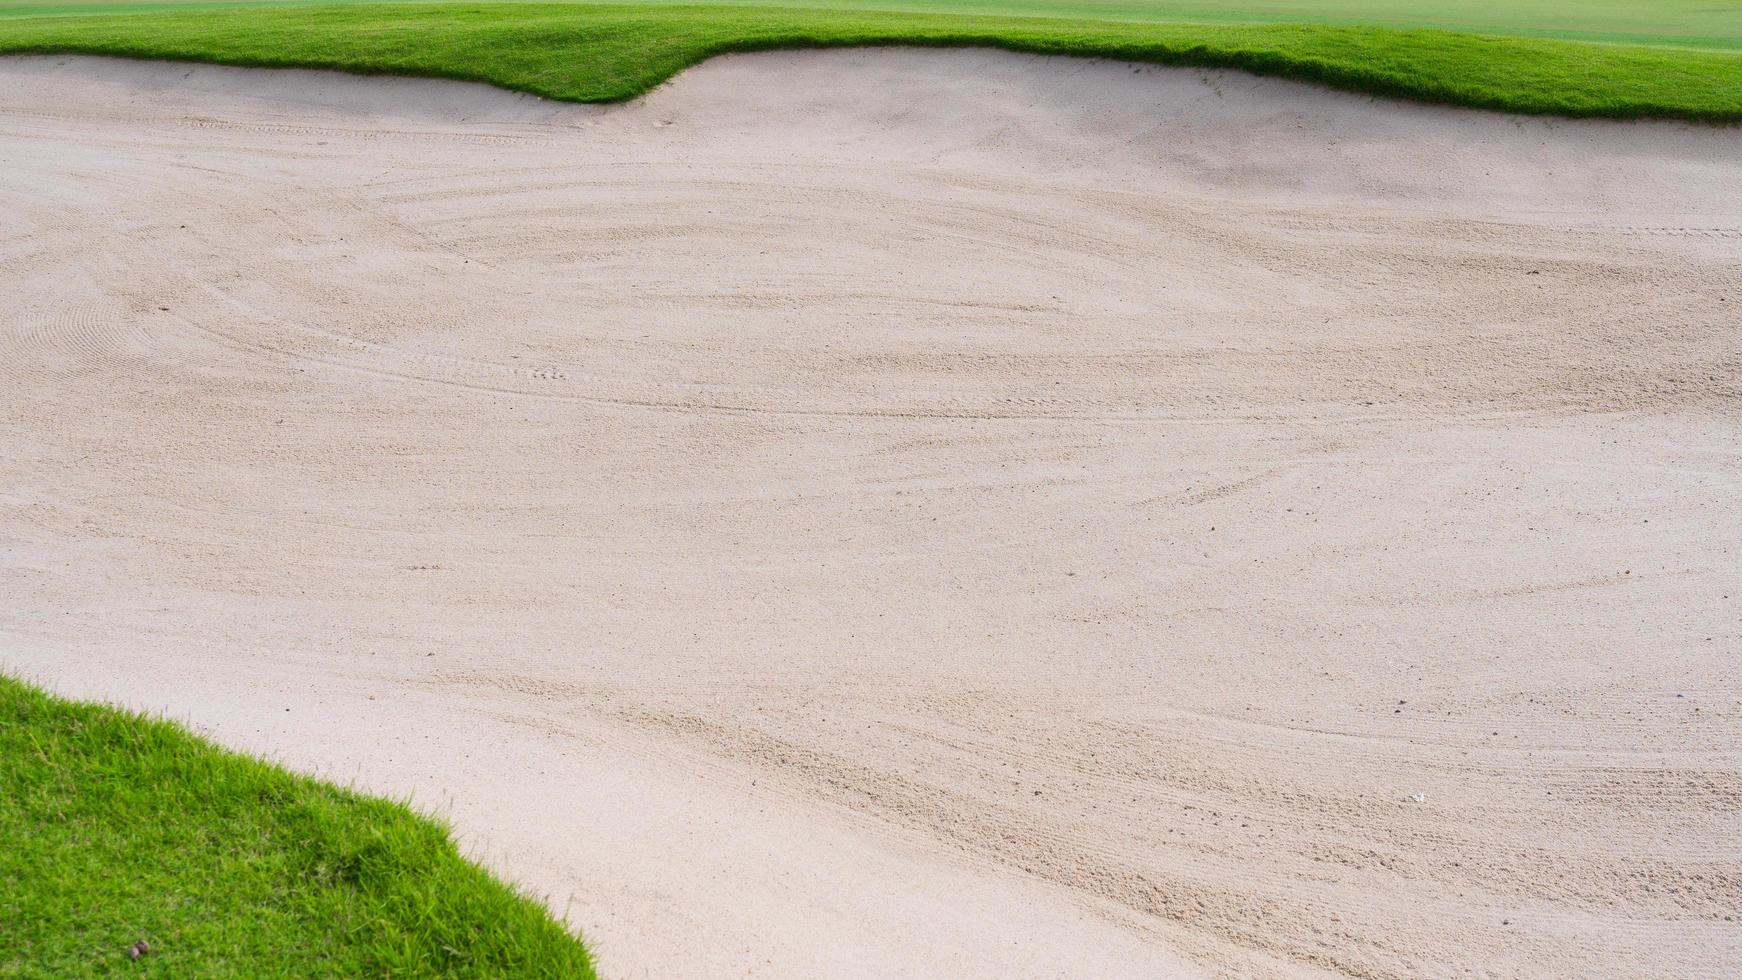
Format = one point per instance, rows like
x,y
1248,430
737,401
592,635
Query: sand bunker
x,y
915,513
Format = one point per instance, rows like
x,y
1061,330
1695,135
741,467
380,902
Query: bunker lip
x,y
612,53
912,512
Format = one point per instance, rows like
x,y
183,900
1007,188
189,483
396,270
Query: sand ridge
x,y
915,513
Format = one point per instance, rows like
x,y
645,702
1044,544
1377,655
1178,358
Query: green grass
x,y
115,827
1700,23
1535,56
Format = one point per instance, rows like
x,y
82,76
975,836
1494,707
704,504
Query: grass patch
x,y
115,827
606,52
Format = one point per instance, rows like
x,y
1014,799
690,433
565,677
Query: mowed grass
x,y
1698,23
1539,58
116,828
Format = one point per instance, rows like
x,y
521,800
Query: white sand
x,y
920,514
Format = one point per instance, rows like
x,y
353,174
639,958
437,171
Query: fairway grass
x,y
116,828
588,52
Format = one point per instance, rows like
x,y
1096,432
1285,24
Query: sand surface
x,y
915,514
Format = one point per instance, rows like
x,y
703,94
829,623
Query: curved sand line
x,y
915,513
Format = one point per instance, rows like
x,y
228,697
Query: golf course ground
x,y
1654,59
119,829
974,489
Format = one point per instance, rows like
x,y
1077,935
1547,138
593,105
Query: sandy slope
x,y
915,514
